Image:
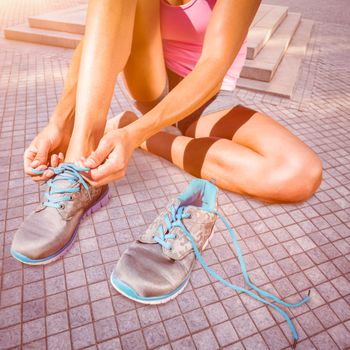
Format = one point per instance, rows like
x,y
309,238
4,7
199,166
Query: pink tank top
x,y
183,28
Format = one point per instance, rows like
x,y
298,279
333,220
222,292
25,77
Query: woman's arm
x,y
226,31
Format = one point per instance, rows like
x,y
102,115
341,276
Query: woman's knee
x,y
295,179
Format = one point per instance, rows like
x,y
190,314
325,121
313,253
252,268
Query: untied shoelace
x,y
174,219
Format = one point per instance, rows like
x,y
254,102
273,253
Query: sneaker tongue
x,y
175,203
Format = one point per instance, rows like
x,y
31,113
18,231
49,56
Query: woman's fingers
x,y
54,160
40,177
60,157
42,153
103,150
105,180
28,157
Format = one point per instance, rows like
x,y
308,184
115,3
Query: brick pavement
x,y
288,248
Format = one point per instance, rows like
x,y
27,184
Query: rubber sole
x,y
145,300
102,201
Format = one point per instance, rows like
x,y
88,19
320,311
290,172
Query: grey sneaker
x,y
157,267
49,231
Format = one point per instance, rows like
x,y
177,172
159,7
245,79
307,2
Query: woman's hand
x,y
47,149
110,160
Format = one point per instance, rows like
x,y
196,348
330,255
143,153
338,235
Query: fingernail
x,y
89,162
48,173
35,163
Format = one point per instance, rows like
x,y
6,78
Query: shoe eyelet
x,y
62,206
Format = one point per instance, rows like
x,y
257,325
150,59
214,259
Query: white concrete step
x,y
266,62
23,32
286,75
266,21
71,20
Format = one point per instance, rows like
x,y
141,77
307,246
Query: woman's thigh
x,y
145,74
256,131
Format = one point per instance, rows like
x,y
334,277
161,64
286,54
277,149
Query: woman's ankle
x,y
82,146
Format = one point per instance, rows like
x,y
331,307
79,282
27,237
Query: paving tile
x,y
55,285
33,309
255,342
225,333
78,296
341,308
59,341
215,313
98,290
33,291
323,341
187,301
196,320
310,323
75,279
205,340
184,344
128,322
155,335
326,316
274,338
57,323
80,315
244,326
176,328
102,308
11,296
122,304
10,337
262,318
206,295
133,340
38,344
33,330
95,274
341,336
106,329
83,336
10,316
327,291
113,344
148,315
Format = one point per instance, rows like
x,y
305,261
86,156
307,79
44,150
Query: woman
x,y
244,150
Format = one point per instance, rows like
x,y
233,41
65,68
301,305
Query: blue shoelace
x,y
175,220
65,171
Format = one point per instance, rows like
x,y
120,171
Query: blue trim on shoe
x,y
124,288
27,260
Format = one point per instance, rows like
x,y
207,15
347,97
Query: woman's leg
x,y
105,51
245,152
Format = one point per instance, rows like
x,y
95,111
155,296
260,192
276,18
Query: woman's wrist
x,y
64,121
131,135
